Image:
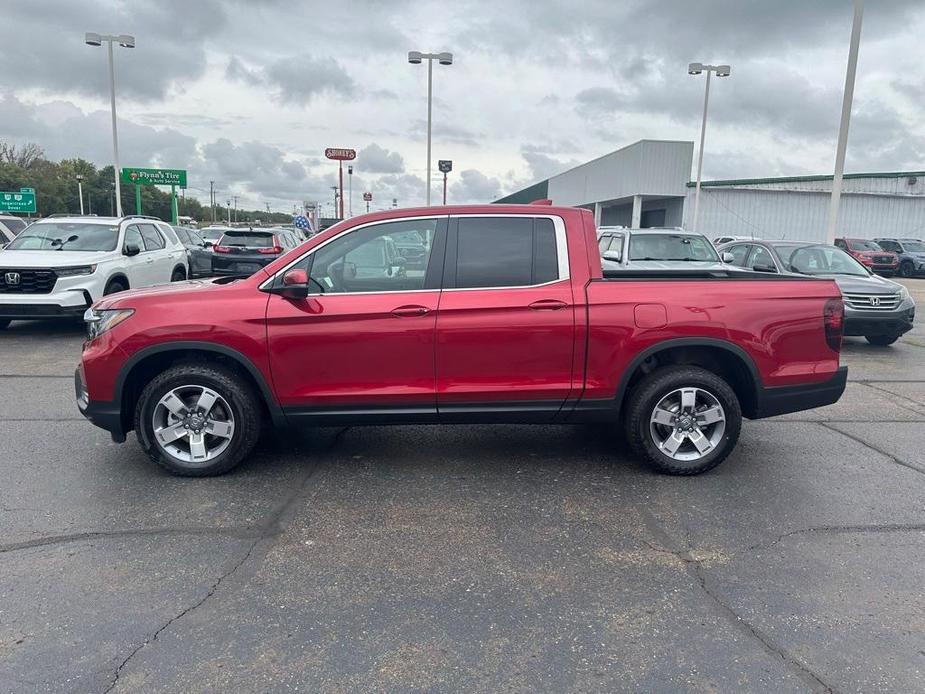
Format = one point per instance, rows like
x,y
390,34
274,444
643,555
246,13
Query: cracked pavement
x,y
492,558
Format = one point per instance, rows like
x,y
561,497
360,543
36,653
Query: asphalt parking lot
x,y
493,558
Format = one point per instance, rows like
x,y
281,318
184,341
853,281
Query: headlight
x,y
903,293
98,322
74,271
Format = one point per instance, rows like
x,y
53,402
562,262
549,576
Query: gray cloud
x,y
295,79
375,159
474,186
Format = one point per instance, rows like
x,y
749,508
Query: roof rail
x,y
141,216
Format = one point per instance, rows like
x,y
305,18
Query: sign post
x,y
340,155
155,177
137,199
23,201
368,197
445,165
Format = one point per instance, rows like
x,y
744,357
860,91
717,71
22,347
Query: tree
x,y
24,157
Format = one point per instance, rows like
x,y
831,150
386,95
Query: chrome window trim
x,y
561,254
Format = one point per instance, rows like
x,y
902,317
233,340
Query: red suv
x,y
507,317
870,255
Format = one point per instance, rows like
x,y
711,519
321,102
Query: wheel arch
x,y
120,276
726,359
145,364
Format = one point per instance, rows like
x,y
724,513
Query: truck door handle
x,y
547,305
410,311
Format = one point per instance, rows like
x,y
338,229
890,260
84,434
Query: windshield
x,y
863,245
664,246
914,246
822,260
55,236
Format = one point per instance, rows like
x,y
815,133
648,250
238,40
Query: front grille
x,y
872,302
16,281
884,259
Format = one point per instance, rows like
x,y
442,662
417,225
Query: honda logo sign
x,y
12,278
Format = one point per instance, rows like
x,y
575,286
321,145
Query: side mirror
x,y
728,257
294,284
131,249
612,255
764,268
207,244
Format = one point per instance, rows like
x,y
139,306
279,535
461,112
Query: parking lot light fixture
x,y
80,192
416,58
125,41
697,69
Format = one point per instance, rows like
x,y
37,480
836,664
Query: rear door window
x,y
505,252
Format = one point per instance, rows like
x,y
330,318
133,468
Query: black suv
x,y
245,251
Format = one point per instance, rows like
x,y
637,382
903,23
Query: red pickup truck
x,y
505,315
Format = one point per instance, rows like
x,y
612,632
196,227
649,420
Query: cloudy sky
x,y
249,92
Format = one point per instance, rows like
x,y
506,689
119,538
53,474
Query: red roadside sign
x,y
367,196
340,154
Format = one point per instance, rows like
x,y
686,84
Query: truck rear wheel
x,y
683,420
197,420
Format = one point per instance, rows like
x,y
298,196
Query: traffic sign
x,y
154,177
23,201
340,154
445,165
27,190
367,197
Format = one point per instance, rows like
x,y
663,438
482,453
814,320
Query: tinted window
x,y
153,239
760,257
133,237
739,253
247,239
914,246
368,260
505,252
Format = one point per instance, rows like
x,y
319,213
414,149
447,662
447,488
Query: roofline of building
x,y
803,179
616,151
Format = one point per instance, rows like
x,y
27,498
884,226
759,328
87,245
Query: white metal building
x,y
648,184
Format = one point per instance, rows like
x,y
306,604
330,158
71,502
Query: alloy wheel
x,y
193,424
687,424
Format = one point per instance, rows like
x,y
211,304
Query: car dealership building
x,y
648,184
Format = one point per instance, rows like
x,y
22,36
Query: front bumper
x,y
105,415
36,311
68,299
858,323
785,399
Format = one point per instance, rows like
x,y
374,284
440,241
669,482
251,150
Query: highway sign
x,y
445,165
340,154
154,177
367,196
23,201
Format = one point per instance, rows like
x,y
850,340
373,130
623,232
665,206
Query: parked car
x,y
245,251
877,308
198,252
911,253
211,234
10,226
649,249
870,254
512,320
414,247
59,266
720,240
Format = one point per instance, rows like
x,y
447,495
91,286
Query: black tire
x,y
906,269
244,405
5,323
178,275
650,391
114,286
881,340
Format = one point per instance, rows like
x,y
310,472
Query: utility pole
x,y
235,207
212,199
228,203
847,100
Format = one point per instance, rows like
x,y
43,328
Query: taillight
x,y
833,317
221,249
275,250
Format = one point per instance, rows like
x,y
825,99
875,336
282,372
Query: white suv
x,y
59,266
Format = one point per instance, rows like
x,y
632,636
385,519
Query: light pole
x,y
696,69
416,58
228,203
235,198
80,192
335,189
847,100
350,190
126,41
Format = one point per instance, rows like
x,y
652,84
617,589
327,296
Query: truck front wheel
x,y
197,420
683,420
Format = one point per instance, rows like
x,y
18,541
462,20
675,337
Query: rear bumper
x,y
784,399
238,264
859,323
105,415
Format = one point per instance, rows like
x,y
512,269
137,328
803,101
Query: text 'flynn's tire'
x,y
198,420
683,420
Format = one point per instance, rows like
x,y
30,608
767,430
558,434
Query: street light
x,y
350,190
696,69
416,58
80,192
125,41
